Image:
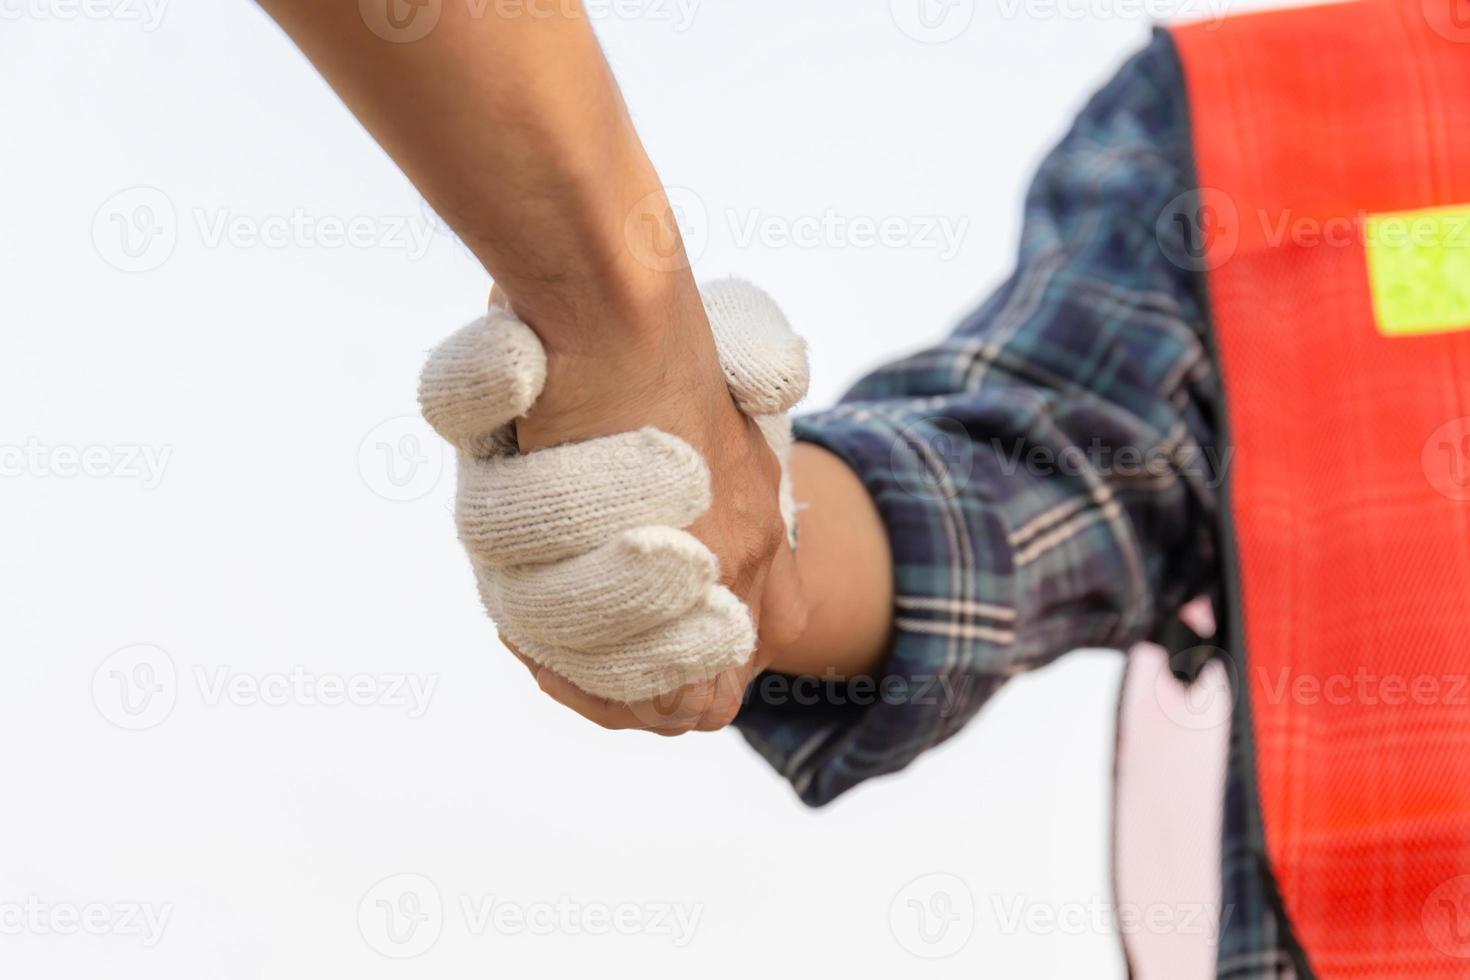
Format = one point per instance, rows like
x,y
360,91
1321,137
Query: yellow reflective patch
x,y
1419,270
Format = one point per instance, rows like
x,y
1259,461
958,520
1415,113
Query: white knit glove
x,y
578,549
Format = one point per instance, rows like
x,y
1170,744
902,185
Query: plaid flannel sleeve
x,y
1045,473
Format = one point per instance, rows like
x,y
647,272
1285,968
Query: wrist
x,y
657,367
613,273
846,569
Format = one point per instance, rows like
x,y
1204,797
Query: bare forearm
x,y
513,128
846,571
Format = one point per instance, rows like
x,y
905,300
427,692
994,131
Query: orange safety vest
x,y
1333,152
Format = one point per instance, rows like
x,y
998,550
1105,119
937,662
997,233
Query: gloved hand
x,y
579,550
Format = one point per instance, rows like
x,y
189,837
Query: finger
x,y
600,711
484,376
635,582
726,697
608,714
702,705
716,635
566,500
765,361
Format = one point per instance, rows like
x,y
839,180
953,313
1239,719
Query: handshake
x,y
582,551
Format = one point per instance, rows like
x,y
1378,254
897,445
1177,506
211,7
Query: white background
x,y
273,377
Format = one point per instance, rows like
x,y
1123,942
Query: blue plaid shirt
x,y
1047,475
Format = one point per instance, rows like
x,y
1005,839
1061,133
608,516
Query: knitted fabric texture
x,y
579,550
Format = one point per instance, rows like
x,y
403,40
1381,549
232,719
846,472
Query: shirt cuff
x,y
954,614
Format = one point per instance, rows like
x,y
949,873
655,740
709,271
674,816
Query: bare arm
x,y
848,570
512,127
